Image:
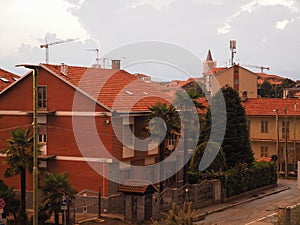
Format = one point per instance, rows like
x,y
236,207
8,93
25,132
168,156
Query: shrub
x,y
240,178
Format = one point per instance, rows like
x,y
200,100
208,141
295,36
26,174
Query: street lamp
x,y
277,139
295,152
35,160
286,144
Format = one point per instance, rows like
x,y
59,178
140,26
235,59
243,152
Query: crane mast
x,y
97,56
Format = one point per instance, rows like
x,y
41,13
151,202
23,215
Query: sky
x,y
267,33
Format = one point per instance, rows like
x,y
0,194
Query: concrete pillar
x,y
284,214
217,191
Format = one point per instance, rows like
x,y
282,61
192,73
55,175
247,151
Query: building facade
x,y
88,119
273,125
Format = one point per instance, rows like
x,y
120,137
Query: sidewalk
x,y
200,214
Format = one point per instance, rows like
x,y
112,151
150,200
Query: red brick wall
x,y
60,137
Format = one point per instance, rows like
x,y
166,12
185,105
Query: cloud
x,y
260,28
157,4
282,24
253,6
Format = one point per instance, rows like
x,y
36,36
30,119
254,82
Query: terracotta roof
x,y
118,90
7,78
266,159
270,76
217,70
266,106
273,79
137,186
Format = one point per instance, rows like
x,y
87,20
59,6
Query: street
x,y
262,210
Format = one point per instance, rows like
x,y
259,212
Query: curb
x,y
203,215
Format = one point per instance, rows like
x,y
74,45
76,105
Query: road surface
x,y
262,210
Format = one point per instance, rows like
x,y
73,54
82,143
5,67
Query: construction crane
x,y
262,68
46,46
97,55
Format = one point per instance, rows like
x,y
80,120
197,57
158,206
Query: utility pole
x,y
277,140
295,152
286,144
35,148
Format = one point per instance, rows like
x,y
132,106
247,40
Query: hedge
x,y
241,178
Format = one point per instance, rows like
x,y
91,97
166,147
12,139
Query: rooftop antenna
x,y
232,48
97,55
46,46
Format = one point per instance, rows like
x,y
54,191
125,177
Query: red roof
x,y
137,186
266,106
217,70
266,159
273,79
7,78
116,89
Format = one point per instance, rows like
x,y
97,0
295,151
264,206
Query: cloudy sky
x,y
267,33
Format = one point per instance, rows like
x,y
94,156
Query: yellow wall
x,y
247,81
259,139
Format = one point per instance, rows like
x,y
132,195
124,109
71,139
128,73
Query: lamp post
x,y
295,152
35,160
286,144
277,138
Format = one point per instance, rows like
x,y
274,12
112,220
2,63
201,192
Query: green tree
x,y
163,131
55,187
236,144
265,89
219,162
12,203
19,157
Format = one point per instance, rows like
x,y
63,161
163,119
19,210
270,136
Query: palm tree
x,y
19,157
12,203
171,119
55,187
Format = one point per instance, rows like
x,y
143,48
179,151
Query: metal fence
x,y
199,194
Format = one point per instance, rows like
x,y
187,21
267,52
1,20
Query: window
x,y
248,125
236,81
264,151
42,138
264,126
42,97
287,129
4,80
128,135
42,134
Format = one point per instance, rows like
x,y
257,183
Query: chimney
x,y
244,96
116,64
64,69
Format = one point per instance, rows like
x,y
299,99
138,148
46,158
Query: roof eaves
x,y
14,83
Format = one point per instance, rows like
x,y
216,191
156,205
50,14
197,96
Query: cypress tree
x,y
236,144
